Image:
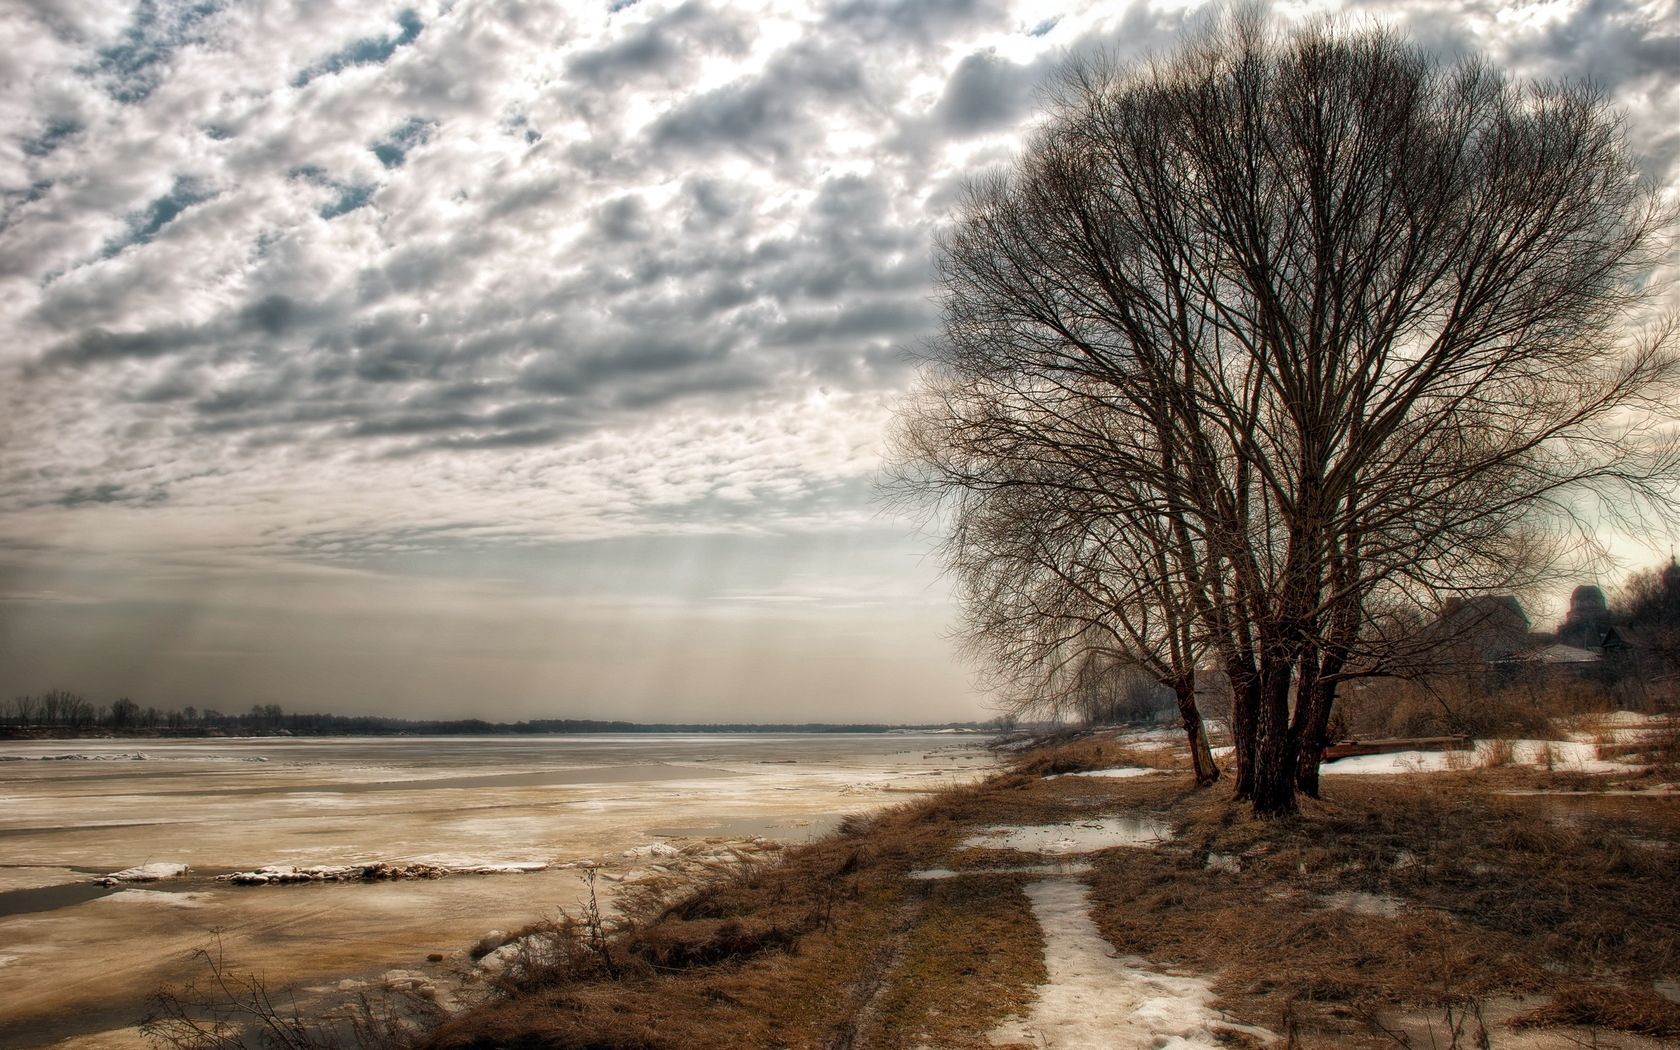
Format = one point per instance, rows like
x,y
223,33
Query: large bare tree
x,y
1274,330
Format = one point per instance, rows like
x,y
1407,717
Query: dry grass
x,y
1497,897
1096,751
1498,752
1615,1008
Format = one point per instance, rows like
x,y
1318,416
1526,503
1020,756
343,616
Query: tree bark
x,y
1201,756
1245,703
1273,792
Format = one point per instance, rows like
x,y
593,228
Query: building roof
x,y
1556,654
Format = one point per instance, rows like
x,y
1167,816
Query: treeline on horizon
x,y
59,709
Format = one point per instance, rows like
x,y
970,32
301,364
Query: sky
x,y
527,359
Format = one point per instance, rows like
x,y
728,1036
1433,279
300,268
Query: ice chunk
x,y
153,872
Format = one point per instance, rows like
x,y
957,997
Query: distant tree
x,y
124,713
76,711
24,708
1649,603
1335,324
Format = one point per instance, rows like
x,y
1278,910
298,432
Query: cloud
x,y
343,279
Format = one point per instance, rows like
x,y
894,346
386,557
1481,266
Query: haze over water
x,y
78,959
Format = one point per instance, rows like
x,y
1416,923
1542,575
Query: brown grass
x,y
1600,1006
1498,898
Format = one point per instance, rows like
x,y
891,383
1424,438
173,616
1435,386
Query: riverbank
x,y
1090,897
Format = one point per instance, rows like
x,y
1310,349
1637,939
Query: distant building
x,y
1588,619
1472,633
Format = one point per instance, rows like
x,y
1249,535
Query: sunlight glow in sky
x,y
523,359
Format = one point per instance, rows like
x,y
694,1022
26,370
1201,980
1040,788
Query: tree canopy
x,y
1266,337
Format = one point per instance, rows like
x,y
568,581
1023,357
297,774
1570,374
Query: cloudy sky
x,y
522,357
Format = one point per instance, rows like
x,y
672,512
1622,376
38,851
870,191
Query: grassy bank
x,y
1398,911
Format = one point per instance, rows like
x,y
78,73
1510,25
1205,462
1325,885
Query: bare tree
x,y
24,708
1325,324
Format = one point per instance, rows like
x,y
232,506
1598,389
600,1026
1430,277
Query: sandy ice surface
x,y
1082,836
81,957
1094,1000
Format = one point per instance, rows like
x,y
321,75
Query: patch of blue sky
x,y
136,64
350,197
14,201
368,51
147,223
53,135
395,147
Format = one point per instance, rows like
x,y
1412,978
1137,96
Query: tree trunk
x,y
1312,726
1201,756
1245,703
1273,791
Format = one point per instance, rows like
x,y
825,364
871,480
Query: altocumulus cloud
x,y
417,275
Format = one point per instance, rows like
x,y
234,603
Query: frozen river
x,y
77,959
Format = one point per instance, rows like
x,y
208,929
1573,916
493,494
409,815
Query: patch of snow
x,y
1167,736
657,849
1096,1001
153,872
371,871
1085,836
407,980
1121,771
132,756
1570,755
516,868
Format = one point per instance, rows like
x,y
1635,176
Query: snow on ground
x,y
153,872
1096,1001
1121,771
1085,836
1569,755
